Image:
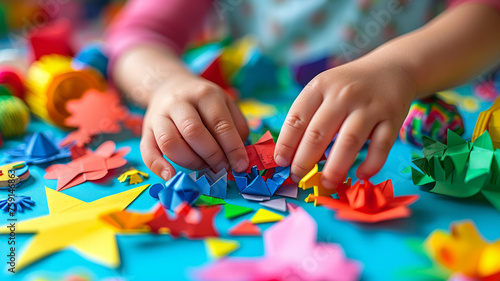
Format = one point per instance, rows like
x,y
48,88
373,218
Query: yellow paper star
x,y
75,223
133,175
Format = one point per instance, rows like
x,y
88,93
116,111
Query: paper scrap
x,y
255,197
263,216
133,175
245,228
204,200
218,248
233,211
276,204
288,190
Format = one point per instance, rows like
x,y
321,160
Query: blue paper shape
x,y
39,148
214,185
254,184
92,56
18,204
180,188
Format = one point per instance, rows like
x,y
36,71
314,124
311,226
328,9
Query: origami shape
x,y
39,148
459,168
218,248
365,202
214,185
13,174
91,166
255,197
245,228
288,190
180,188
254,184
313,180
263,216
282,262
276,204
16,204
74,223
94,113
430,117
261,154
133,175
204,200
188,222
464,252
233,211
489,120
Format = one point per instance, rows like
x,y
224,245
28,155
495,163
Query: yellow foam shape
x,y
218,248
263,216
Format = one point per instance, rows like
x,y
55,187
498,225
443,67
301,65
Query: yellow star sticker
x,y
75,223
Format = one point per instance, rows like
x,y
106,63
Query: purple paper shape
x,y
255,197
288,190
276,204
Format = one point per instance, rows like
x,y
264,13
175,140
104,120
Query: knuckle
x,y
314,137
295,121
213,156
166,142
191,129
205,90
348,92
222,127
382,145
316,83
351,141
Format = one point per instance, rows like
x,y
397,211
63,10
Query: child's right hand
x,y
194,124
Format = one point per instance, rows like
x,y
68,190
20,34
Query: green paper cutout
x,y
232,211
205,200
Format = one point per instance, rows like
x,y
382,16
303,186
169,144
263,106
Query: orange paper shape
x,y
365,202
91,166
188,222
125,220
97,113
261,154
245,228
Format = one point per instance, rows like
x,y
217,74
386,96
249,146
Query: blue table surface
x,y
382,248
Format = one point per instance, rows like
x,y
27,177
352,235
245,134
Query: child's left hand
x,y
360,100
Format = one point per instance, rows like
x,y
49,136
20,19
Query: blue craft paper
x,y
253,183
277,179
19,204
39,148
214,185
92,56
180,188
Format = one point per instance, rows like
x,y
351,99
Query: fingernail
x,y
222,165
165,174
294,178
281,161
241,166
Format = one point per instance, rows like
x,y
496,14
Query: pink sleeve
x,y
493,3
163,22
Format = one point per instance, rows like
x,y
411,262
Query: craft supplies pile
x,y
79,204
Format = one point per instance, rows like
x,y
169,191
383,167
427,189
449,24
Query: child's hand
x,y
192,122
359,101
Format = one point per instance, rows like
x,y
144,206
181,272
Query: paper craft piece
x,y
128,221
276,204
463,251
204,200
288,190
91,166
365,202
180,188
313,180
489,120
252,108
233,211
52,38
254,184
245,228
52,82
74,224
283,262
261,154
218,248
13,174
16,204
214,185
431,117
93,114
263,216
92,56
38,149
133,175
188,222
459,168
258,198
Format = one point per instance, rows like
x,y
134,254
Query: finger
x,y
196,135
153,157
171,143
318,135
381,142
218,120
295,124
352,135
239,120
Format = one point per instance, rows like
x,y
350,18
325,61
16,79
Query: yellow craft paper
x,y
219,248
263,216
133,175
233,57
489,120
252,108
74,223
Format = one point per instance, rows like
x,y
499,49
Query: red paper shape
x,y
91,166
261,153
245,228
53,38
97,113
365,202
189,222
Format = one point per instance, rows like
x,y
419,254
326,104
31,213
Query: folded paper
x,y
211,184
38,149
180,188
253,183
133,175
261,154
